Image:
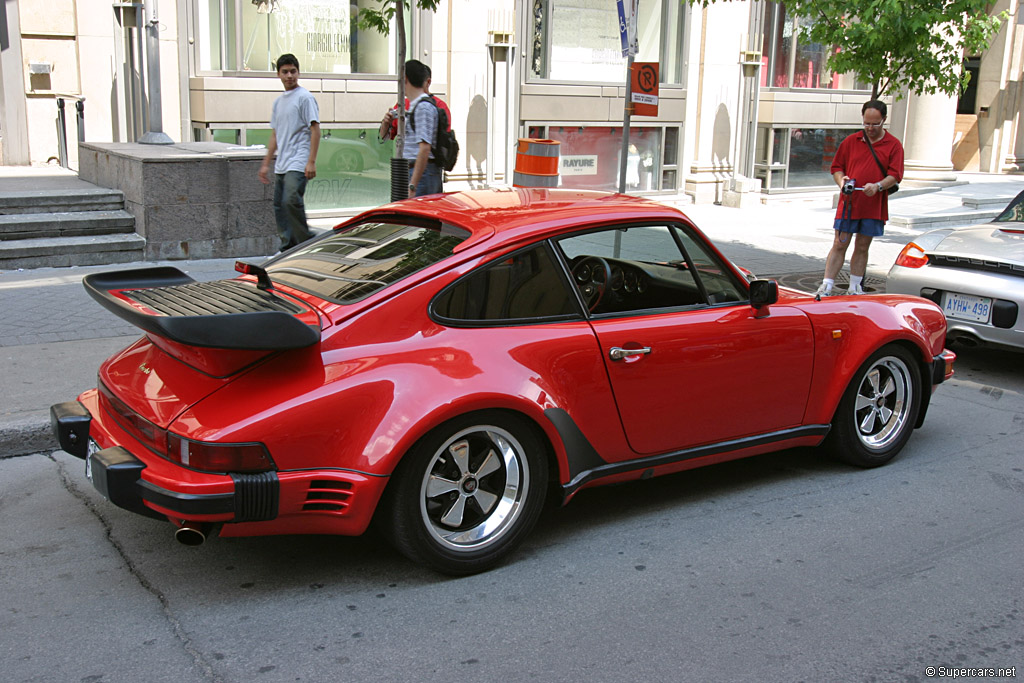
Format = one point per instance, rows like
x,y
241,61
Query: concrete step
x,y
58,201
66,224
59,252
987,202
944,219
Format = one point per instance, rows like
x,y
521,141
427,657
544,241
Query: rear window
x,y
347,266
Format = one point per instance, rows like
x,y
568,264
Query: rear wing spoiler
x,y
224,314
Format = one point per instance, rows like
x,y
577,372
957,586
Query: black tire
x,y
346,161
876,415
467,493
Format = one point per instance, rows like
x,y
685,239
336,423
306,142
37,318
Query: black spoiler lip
x,y
254,331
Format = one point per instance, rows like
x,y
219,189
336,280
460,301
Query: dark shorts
x,y
869,227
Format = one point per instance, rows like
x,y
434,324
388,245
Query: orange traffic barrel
x,y
536,163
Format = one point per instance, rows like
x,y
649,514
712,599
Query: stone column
x,y
1014,162
717,112
928,125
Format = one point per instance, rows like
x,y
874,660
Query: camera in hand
x,y
848,186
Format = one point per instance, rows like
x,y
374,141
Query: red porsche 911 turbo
x,y
443,364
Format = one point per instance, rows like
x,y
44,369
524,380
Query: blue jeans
x,y
290,209
430,181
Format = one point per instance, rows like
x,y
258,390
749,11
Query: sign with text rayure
x,y
644,87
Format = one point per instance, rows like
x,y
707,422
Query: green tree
x,y
892,44
379,19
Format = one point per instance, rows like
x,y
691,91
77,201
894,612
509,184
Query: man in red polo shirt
x,y
861,214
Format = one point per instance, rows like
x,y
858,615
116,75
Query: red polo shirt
x,y
854,159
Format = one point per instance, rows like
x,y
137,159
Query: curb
x,y
26,435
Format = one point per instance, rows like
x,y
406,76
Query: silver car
x,y
975,274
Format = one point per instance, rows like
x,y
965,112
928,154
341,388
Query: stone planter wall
x,y
190,200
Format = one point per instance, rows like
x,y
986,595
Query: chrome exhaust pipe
x,y
191,533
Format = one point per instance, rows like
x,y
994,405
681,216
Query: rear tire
x,y
876,415
467,493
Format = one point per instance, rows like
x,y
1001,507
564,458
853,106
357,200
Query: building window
x,y
791,158
791,60
578,40
248,35
590,157
352,167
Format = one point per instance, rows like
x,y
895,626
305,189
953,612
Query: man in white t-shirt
x,y
295,138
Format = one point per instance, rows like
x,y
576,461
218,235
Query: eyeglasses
x,y
873,125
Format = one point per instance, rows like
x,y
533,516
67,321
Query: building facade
x,y
741,93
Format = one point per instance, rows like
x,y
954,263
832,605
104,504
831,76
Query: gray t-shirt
x,y
293,112
423,127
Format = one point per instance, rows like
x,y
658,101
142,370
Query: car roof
x,y
503,215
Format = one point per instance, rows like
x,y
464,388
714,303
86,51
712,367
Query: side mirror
x,y
763,293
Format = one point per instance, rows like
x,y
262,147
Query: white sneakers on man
x,y
855,289
823,290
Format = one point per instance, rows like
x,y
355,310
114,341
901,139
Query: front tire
x,y
467,493
877,413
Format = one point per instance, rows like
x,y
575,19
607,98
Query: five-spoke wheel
x,y
468,493
877,413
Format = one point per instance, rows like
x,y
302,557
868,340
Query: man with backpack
x,y
428,119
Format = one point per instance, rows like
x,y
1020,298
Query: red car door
x,y
689,362
711,375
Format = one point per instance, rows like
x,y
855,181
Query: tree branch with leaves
x,y
379,19
919,45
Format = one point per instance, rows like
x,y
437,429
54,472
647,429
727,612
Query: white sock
x,y
855,281
828,282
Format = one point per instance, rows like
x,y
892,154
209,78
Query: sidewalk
x,y
53,336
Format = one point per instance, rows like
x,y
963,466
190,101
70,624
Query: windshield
x,y
347,266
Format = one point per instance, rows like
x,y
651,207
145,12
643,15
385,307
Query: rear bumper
x,y
307,501
1006,326
117,474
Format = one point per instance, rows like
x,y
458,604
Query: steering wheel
x,y
592,275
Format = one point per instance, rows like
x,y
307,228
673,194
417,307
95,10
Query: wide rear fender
x,y
362,408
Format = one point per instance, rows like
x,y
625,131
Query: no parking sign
x,y
644,88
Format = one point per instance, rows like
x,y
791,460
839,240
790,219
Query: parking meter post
x,y
80,116
62,135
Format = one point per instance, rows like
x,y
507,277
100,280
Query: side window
x,y
647,268
719,282
523,287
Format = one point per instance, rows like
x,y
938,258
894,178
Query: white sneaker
x,y
855,290
823,290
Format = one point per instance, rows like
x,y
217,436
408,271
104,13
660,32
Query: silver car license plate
x,y
967,307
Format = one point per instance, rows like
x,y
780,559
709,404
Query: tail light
x,y
912,256
197,455
218,457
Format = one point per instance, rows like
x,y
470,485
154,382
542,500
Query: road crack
x,y
177,629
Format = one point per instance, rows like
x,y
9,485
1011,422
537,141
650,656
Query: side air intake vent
x,y
327,495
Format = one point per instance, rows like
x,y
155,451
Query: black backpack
x,y
445,148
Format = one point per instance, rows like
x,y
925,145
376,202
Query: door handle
x,y
619,353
